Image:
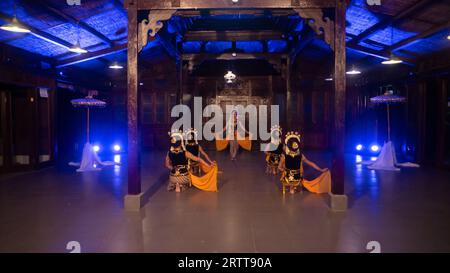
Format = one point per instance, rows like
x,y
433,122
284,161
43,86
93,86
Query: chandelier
x,y
230,77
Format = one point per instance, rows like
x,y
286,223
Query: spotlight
x,y
77,49
392,60
354,71
234,54
374,148
96,148
15,26
359,147
116,148
115,65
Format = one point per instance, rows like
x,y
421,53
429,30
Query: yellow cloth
x,y
221,144
321,184
207,182
246,144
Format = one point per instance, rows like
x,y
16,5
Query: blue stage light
x,y
117,148
96,148
375,148
359,147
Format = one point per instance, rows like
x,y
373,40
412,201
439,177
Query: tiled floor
x,y
408,211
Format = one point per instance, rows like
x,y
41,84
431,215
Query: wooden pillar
x,y
289,112
179,64
134,174
338,168
441,114
422,122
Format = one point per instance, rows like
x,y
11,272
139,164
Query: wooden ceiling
x,y
409,28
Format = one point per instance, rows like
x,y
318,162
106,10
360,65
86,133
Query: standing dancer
x,y
233,137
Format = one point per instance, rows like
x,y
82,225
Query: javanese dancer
x,y
274,150
177,161
291,163
231,129
192,146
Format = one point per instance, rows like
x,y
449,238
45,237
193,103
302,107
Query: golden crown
x,y
191,131
176,133
276,128
292,134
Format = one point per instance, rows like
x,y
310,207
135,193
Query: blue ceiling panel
x,y
69,32
38,46
359,19
431,44
217,47
276,46
113,24
29,14
192,47
87,9
250,46
389,36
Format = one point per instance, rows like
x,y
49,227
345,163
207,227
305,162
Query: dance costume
x,y
292,175
180,160
273,155
193,148
180,171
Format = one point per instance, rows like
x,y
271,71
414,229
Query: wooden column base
x,y
134,202
338,202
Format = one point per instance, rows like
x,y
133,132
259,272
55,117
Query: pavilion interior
x,y
279,59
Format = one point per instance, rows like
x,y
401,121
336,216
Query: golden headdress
x,y
176,135
276,128
190,132
297,140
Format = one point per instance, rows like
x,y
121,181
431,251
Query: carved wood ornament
x,y
319,23
153,23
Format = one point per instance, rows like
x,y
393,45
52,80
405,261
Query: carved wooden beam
x,y
229,56
228,4
238,35
153,24
323,26
194,60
